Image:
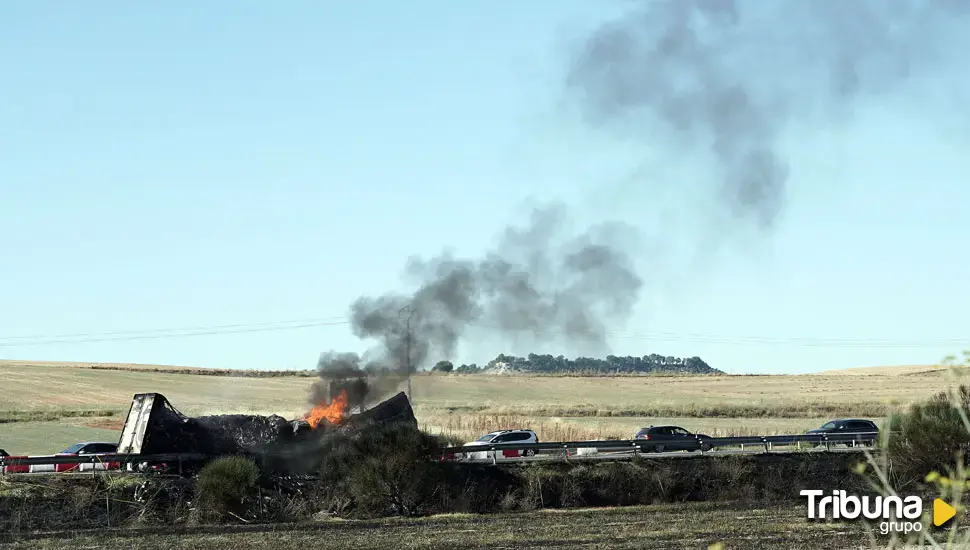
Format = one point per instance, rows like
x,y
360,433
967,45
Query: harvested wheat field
x,y
72,402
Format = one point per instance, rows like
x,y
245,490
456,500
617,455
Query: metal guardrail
x,y
635,445
628,455
176,459
646,445
98,459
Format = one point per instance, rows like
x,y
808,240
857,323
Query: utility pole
x,y
407,344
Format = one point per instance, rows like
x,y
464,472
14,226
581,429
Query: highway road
x,y
629,455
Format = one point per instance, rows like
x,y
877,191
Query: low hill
x,y
610,365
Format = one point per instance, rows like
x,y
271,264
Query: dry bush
x,y
687,408
65,503
465,427
929,437
653,481
223,487
468,427
387,469
50,415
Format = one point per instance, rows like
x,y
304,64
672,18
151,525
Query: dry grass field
x,y
46,406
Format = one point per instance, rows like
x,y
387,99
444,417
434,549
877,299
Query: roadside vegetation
x,y
393,472
51,415
924,451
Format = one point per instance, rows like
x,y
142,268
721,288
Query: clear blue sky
x,y
170,165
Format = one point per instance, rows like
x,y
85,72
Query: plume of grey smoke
x,y
540,281
362,379
726,77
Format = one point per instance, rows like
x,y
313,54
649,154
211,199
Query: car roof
x,y
86,443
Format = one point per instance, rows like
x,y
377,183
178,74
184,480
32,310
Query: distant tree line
x,y
612,364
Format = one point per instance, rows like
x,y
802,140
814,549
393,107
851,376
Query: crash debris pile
x,y
272,440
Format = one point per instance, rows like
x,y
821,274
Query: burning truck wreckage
x,y
280,446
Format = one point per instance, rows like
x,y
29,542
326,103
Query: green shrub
x,y
394,470
224,484
385,470
930,436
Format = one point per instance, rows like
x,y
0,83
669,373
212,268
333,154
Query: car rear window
x,y
861,425
73,448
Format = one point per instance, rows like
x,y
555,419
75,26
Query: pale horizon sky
x,y
165,166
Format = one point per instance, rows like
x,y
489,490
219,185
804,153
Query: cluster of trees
x,y
612,364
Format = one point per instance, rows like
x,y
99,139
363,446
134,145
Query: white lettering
x,y
914,507
811,494
821,506
875,511
847,502
892,510
887,504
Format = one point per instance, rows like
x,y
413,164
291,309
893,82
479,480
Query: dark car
x,y
673,438
4,453
849,426
88,448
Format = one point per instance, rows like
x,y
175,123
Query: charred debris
x,y
278,445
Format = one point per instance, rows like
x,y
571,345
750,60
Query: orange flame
x,y
333,413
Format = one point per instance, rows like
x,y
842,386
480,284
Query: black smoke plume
x,y
720,80
714,80
541,283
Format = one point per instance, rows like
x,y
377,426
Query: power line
x,y
274,326
124,338
182,329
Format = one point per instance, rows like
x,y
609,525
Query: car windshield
x,y
486,437
73,448
829,425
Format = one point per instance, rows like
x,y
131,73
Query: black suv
x,y
673,438
849,426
